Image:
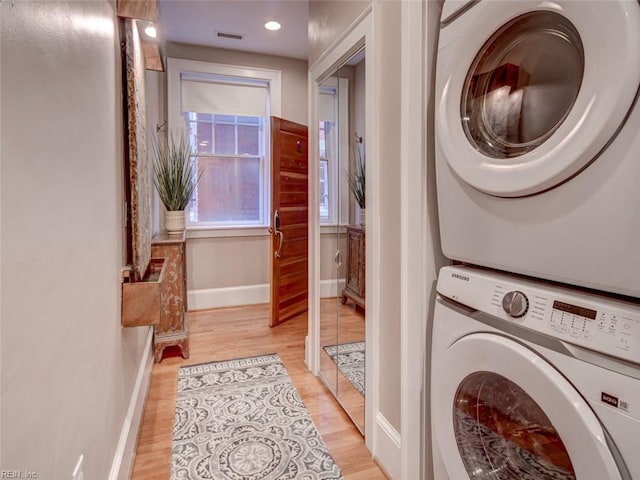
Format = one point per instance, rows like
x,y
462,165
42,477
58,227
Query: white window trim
x,y
177,66
227,232
257,231
360,33
338,185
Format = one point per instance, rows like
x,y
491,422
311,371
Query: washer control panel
x,y
604,324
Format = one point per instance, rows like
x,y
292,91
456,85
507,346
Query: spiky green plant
x,y
175,176
358,179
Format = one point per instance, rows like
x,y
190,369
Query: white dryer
x,y
532,381
538,139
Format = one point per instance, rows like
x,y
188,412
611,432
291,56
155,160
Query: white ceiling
x,y
198,21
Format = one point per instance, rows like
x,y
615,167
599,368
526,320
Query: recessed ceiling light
x,y
272,25
151,31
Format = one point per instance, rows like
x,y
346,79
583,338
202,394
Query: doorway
x,y
342,206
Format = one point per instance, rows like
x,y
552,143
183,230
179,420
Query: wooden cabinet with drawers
x,y
355,281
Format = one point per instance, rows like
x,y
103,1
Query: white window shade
x,y
326,107
224,98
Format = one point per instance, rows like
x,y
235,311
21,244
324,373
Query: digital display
x,y
567,307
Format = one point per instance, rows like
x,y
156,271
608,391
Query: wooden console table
x,y
356,270
172,329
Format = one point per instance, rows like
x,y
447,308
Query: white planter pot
x,y
363,216
174,222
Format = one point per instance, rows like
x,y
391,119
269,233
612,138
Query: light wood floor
x,y
350,327
240,332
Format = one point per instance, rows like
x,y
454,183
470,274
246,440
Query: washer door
x,y
530,92
503,413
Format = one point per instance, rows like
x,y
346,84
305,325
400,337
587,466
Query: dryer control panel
x,y
604,324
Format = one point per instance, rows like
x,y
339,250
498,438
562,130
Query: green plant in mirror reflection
x,y
357,178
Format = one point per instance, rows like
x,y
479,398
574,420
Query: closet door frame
x,y
360,34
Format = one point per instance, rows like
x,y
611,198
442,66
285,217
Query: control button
x,y
587,336
515,304
626,326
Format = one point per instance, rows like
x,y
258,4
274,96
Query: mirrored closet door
x,y
342,174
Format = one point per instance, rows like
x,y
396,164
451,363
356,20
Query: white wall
x,y
388,51
229,262
222,262
422,256
383,425
328,19
68,368
409,253
155,92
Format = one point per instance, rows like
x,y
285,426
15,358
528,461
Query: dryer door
x,y
504,413
530,92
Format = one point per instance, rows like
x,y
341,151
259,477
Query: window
x,y
225,111
325,128
329,164
230,153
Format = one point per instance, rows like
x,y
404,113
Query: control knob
x,y
516,304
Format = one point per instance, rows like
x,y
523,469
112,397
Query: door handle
x,y
276,230
280,241
276,222
337,258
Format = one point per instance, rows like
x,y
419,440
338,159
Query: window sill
x,y
257,231
227,232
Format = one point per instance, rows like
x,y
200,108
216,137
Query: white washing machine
x,y
532,381
537,123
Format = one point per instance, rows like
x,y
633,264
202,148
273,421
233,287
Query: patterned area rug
x,y
350,360
244,420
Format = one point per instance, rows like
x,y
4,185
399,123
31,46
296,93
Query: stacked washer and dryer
x,y
536,331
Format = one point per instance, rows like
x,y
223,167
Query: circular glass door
x,y
522,84
502,433
501,412
529,94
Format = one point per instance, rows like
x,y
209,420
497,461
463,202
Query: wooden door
x,y
289,220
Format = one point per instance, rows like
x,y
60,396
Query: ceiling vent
x,y
233,36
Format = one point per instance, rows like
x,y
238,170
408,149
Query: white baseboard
x,y
122,464
227,296
307,352
387,450
247,295
331,288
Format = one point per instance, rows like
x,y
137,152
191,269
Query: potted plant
x,y
357,179
175,178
